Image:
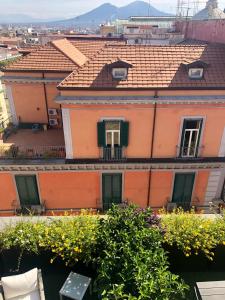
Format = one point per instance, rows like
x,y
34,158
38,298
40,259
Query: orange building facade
x,y
141,124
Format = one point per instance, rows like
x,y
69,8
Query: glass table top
x,y
75,286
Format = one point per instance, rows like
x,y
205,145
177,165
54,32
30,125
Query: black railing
x,y
112,153
184,205
31,152
189,151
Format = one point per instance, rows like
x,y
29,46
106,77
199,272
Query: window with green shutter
x,y
183,187
124,133
27,190
111,189
113,133
101,134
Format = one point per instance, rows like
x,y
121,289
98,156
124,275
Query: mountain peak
x,y
108,12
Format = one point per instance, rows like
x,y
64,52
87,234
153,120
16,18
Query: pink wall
x,y
210,30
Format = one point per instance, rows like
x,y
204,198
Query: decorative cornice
x,y
24,79
140,99
107,166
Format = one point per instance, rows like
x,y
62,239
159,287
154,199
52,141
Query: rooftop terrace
x,y
25,143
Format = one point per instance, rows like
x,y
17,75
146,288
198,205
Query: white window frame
x,y
195,76
112,131
189,149
114,70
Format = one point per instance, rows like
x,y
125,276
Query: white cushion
x,y
20,285
31,296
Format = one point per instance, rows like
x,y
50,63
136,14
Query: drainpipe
x,y
152,147
45,95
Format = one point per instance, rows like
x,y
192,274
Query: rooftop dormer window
x,y
195,68
195,73
119,73
119,69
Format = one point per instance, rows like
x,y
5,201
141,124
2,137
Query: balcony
x,y
26,144
189,152
113,154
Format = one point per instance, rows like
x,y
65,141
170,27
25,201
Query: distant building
x,y
210,12
144,30
107,30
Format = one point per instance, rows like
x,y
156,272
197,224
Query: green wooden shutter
x,y
22,189
183,186
101,134
124,133
27,189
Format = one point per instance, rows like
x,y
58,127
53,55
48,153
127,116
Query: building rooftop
x,y
152,67
57,56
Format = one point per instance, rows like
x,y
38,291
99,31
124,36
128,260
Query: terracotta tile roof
x,y
91,47
53,58
152,67
69,50
45,58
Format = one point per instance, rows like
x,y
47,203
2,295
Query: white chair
x,y
26,286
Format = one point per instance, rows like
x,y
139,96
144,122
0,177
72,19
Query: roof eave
x,y
37,71
137,89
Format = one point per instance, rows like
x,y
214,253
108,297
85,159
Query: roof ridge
x,y
75,72
70,51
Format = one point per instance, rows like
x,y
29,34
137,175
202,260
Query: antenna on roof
x,y
149,6
188,8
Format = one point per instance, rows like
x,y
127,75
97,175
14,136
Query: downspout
x,y
152,147
45,96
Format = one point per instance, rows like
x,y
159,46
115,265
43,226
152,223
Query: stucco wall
x,y
73,190
168,128
69,189
7,191
84,121
209,30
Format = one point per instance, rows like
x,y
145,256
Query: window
x,y
195,73
190,137
111,189
27,190
112,132
112,138
119,73
182,189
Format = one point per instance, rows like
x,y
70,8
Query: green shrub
x,y
193,234
132,262
72,239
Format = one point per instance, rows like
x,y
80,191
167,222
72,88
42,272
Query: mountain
x,y
104,13
21,18
108,12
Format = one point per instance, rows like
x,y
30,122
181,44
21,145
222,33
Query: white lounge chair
x,y
26,286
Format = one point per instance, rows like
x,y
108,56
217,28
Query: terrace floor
x,y
26,144
26,137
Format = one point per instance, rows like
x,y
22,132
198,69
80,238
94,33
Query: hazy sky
x,y
69,8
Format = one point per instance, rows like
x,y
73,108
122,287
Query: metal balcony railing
x,y
31,152
184,205
113,153
189,152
